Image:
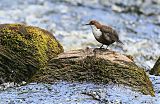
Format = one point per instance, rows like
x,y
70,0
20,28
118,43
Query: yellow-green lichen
x,y
31,44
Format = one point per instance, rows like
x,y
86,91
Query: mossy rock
x,y
156,69
24,50
95,66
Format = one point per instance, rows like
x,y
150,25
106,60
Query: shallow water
x,y
77,93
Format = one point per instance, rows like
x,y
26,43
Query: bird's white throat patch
x,y
96,32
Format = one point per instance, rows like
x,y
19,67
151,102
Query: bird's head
x,y
95,23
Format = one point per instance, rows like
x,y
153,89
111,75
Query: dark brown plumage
x,y
104,34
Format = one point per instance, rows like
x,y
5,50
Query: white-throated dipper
x,y
104,34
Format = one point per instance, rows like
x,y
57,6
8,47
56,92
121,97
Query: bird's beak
x,y
87,24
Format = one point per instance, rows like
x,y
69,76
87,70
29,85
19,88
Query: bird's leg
x,y
107,46
101,46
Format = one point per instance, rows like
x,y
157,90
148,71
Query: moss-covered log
x,y
156,69
24,50
98,66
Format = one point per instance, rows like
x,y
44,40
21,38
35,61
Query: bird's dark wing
x,y
106,30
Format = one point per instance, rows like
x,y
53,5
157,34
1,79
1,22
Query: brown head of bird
x,y
95,23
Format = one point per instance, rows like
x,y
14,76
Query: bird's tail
x,y
120,42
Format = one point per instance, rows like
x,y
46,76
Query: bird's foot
x,y
104,49
100,49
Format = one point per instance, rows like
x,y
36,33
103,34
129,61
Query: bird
x,y
104,34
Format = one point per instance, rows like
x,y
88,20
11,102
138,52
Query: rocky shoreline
x,y
24,48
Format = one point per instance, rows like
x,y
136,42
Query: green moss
x,y
32,45
30,41
95,70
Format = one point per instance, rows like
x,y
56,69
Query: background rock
x,y
156,69
23,50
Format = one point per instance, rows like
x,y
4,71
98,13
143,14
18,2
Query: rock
x,y
24,50
98,66
156,69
